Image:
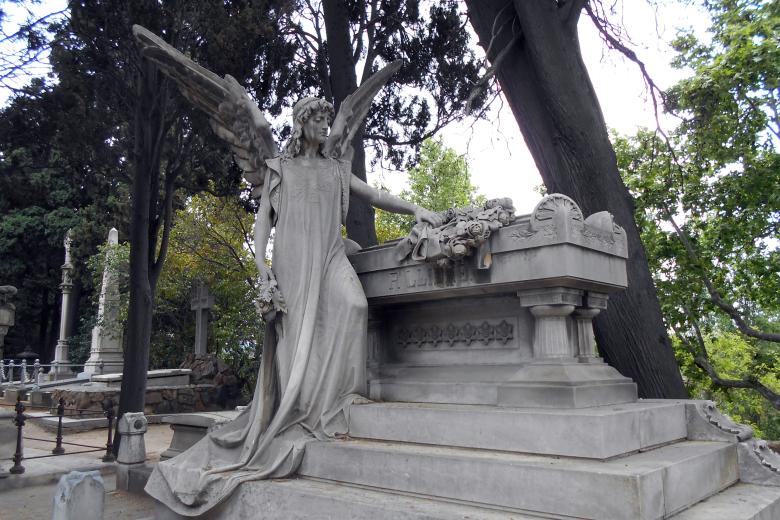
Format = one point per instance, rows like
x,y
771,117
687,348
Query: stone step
x,y
308,499
465,392
649,485
597,433
739,502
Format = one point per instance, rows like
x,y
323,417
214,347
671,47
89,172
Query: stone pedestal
x,y
565,371
132,449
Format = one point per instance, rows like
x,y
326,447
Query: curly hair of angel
x,y
302,111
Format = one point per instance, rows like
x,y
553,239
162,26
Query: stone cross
x,y
105,354
61,351
202,301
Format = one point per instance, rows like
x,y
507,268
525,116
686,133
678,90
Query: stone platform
x,y
492,402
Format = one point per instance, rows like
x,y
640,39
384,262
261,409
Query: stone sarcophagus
x,y
510,324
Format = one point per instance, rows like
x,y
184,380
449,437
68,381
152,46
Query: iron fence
x,y
20,418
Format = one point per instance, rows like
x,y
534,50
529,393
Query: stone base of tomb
x,y
491,401
649,459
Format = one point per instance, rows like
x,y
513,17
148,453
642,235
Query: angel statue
x,y
314,356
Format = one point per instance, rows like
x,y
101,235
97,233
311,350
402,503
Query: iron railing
x,y
20,418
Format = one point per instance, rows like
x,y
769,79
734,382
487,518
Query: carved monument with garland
x,y
490,400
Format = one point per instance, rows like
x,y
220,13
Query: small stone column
x,y
132,450
80,495
551,309
61,351
565,371
374,354
202,301
583,316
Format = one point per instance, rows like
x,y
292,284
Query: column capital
x,y
551,296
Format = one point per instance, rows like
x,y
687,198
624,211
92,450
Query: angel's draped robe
x,y
320,355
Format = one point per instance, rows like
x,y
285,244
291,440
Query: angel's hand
x,y
270,299
422,215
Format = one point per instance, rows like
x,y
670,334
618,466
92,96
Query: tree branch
x,y
702,360
715,296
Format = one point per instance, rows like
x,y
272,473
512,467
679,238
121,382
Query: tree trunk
x,y
549,91
147,132
343,82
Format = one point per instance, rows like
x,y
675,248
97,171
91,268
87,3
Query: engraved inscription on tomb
x,y
428,276
451,335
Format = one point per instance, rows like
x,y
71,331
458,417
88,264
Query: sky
x,y
500,163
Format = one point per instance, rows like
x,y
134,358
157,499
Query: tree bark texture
x,y
343,82
148,129
549,91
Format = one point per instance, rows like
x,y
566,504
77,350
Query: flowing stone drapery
x,y
320,360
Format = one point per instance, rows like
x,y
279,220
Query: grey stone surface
x,y
566,384
61,350
12,393
79,496
189,428
133,477
707,423
7,440
132,426
106,355
300,498
594,433
647,485
739,502
758,464
154,378
40,399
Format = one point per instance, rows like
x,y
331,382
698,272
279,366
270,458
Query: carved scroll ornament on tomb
x,y
452,335
464,230
557,218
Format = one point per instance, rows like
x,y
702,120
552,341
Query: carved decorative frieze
x,y
451,335
557,218
707,423
758,463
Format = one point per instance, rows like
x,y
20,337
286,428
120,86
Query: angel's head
x,y
311,119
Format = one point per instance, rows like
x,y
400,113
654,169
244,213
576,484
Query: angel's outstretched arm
x,y
389,202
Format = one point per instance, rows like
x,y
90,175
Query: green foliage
x,y
210,243
717,178
440,180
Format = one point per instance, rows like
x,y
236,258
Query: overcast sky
x,y
500,163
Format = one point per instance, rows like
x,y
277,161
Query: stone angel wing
x,y
352,112
233,115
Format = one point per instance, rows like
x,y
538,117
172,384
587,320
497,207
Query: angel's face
x,y
315,129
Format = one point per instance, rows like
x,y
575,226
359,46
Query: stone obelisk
x,y
61,352
106,355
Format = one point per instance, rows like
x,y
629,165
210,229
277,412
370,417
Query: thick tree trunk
x,y
343,82
548,88
148,123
